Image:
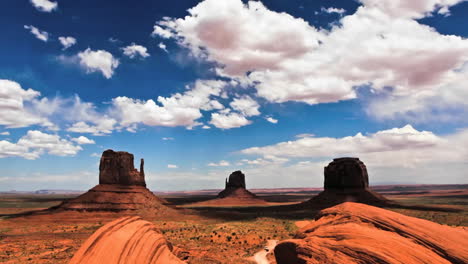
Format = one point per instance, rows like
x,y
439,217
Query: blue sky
x,y
202,88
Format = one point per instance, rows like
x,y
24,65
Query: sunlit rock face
x,y
116,167
121,188
346,173
126,240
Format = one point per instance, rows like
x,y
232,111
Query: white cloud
x,y
5,133
412,9
332,10
41,35
96,155
167,138
86,119
272,120
35,143
134,50
404,147
171,166
83,140
222,163
206,127
159,31
246,105
14,112
181,109
44,5
286,59
67,42
162,46
99,60
228,121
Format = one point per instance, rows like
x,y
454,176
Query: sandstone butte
x,y
234,193
129,240
355,233
346,180
121,187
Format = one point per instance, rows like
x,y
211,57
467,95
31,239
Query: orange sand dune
x,y
127,240
359,233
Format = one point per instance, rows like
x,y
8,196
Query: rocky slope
x,y
359,233
129,240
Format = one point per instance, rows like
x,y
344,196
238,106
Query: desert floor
x,y
200,234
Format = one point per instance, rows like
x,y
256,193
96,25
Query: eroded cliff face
x,y
121,188
116,167
129,240
346,173
236,180
358,233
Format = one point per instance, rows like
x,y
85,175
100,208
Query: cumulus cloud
x,y
20,107
159,31
228,120
99,60
162,46
404,147
41,35
246,105
180,109
67,42
332,10
82,140
272,120
44,5
35,143
222,163
134,50
286,59
413,9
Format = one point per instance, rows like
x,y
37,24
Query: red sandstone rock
x,y
121,187
235,194
356,233
346,173
346,180
117,168
128,240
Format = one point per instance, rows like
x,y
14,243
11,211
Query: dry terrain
x,y
204,234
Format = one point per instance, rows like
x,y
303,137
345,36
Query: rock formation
x,y
121,187
128,240
235,181
346,173
234,193
117,168
358,233
346,180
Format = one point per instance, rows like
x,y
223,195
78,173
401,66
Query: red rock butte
x,y
234,193
346,180
357,233
129,240
121,187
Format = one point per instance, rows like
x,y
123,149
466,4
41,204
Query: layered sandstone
x,y
357,233
121,187
129,240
